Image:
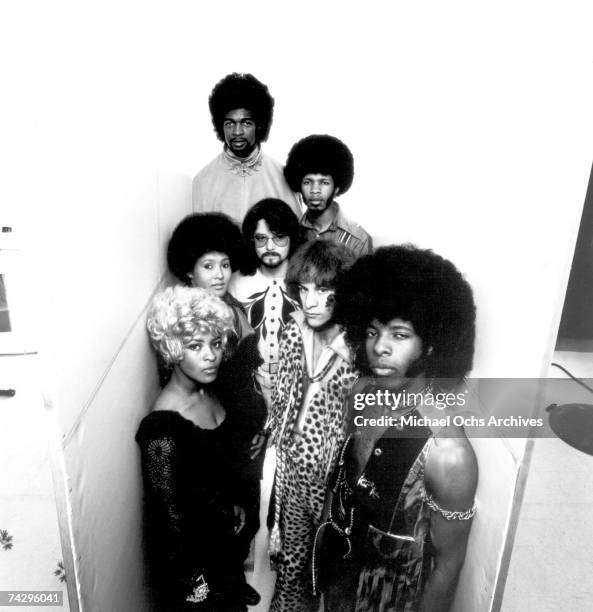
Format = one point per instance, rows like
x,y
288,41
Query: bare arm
x,y
451,478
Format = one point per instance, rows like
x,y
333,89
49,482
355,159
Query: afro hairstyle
x,y
242,91
320,154
202,233
414,285
280,219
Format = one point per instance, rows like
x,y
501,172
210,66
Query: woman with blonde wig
x,y
190,463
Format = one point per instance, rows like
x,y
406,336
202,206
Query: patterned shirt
x,y
323,431
342,231
268,307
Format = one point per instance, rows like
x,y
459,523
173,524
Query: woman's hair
x,y
280,219
318,262
242,91
178,314
320,154
418,286
203,233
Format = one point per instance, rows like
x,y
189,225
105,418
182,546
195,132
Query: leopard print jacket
x,y
326,420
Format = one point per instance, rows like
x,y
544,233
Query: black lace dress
x,y
190,487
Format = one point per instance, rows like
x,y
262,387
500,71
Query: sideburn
x,y
419,366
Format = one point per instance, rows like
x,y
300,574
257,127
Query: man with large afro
x,y
418,286
403,496
241,108
320,167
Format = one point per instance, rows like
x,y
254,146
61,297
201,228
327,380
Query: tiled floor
x,y
28,510
551,565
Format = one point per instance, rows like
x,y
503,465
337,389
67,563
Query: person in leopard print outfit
x,y
307,421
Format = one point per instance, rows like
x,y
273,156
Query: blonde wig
x,y
178,314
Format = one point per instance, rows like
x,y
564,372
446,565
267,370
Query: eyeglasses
x,y
262,240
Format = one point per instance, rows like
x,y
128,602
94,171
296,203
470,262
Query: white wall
x,y
471,130
88,179
472,136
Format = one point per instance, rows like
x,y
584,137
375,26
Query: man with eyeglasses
x,y
241,108
272,232
320,167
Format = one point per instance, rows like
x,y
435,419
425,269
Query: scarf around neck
x,y
243,166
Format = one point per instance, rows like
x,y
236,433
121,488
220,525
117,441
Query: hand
x,y
239,518
257,444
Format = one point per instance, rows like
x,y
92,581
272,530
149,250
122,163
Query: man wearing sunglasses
x,y
272,233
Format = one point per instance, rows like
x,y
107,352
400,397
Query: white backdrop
x,y
472,134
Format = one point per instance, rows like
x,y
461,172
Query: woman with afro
x,y
204,250
402,500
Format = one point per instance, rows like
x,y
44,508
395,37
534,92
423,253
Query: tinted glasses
x,y
262,240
